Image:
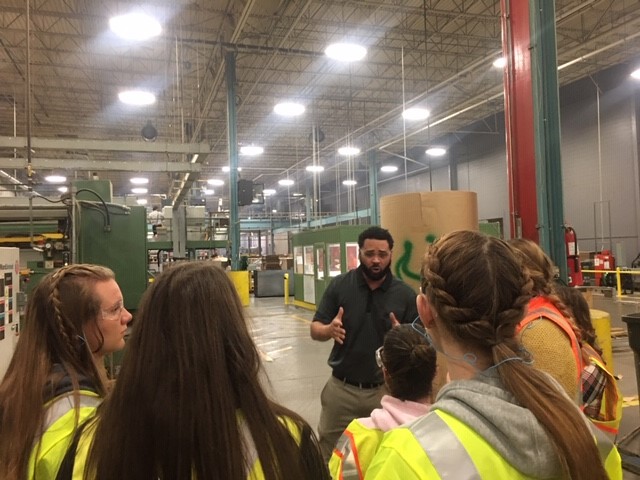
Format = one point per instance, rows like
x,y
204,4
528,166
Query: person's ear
x,y
424,310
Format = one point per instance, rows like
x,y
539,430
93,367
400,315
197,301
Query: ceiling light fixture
x,y
500,62
315,168
636,74
289,109
55,178
227,169
286,182
137,98
63,189
208,191
268,191
251,150
135,26
141,201
416,113
345,52
388,168
139,180
349,183
216,182
139,190
435,151
349,151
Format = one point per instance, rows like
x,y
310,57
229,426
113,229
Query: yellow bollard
x,y
240,280
602,324
618,282
286,289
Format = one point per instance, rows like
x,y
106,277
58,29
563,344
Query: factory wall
x,y
600,170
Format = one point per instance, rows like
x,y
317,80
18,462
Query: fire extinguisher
x,y
573,257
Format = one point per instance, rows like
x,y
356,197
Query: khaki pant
x,y
342,403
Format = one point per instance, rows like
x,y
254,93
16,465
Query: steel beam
x,y
105,145
100,165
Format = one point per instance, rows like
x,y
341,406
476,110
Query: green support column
x,y
374,217
232,140
547,132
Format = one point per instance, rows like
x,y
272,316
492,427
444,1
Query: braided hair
x,y
479,289
52,345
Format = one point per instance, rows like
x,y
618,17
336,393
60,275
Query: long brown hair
x,y
484,313
188,383
58,312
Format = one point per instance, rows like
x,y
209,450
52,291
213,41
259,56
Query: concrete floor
x,y
296,366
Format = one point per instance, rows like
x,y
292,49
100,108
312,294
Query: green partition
x,y
319,255
117,241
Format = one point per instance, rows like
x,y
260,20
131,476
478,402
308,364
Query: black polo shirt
x,y
365,320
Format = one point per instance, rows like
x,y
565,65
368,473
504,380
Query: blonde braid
x,y
58,314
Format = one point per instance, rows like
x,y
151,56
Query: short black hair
x,y
376,233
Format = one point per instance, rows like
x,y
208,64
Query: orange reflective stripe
x,y
543,308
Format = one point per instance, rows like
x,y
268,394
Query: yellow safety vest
x,y
354,451
59,426
439,446
610,413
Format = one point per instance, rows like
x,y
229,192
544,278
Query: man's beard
x,y
375,276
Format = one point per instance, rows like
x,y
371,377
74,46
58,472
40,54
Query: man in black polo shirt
x,y
356,311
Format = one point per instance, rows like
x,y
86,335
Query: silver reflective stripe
x,y
250,452
605,445
348,467
63,404
445,451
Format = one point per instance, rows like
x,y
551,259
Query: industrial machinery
x,y
9,311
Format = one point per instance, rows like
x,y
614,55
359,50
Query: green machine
x,y
112,235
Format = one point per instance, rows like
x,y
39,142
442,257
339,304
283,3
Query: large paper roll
x,y
416,220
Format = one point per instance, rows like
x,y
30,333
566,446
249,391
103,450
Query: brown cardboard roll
x,y
416,220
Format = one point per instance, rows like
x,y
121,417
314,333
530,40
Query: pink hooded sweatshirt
x,y
394,413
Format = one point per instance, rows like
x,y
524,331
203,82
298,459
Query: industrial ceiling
x,y
436,54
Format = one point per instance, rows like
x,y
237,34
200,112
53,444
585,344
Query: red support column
x,y
519,119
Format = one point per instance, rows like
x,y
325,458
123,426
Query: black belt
x,y
363,385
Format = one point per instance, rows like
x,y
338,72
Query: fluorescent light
x,y
55,178
135,26
500,62
274,211
227,169
636,74
216,182
137,97
349,151
388,168
208,191
415,113
63,189
435,151
141,201
315,168
268,191
349,183
286,182
139,180
139,190
251,150
194,157
289,109
346,52
296,194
